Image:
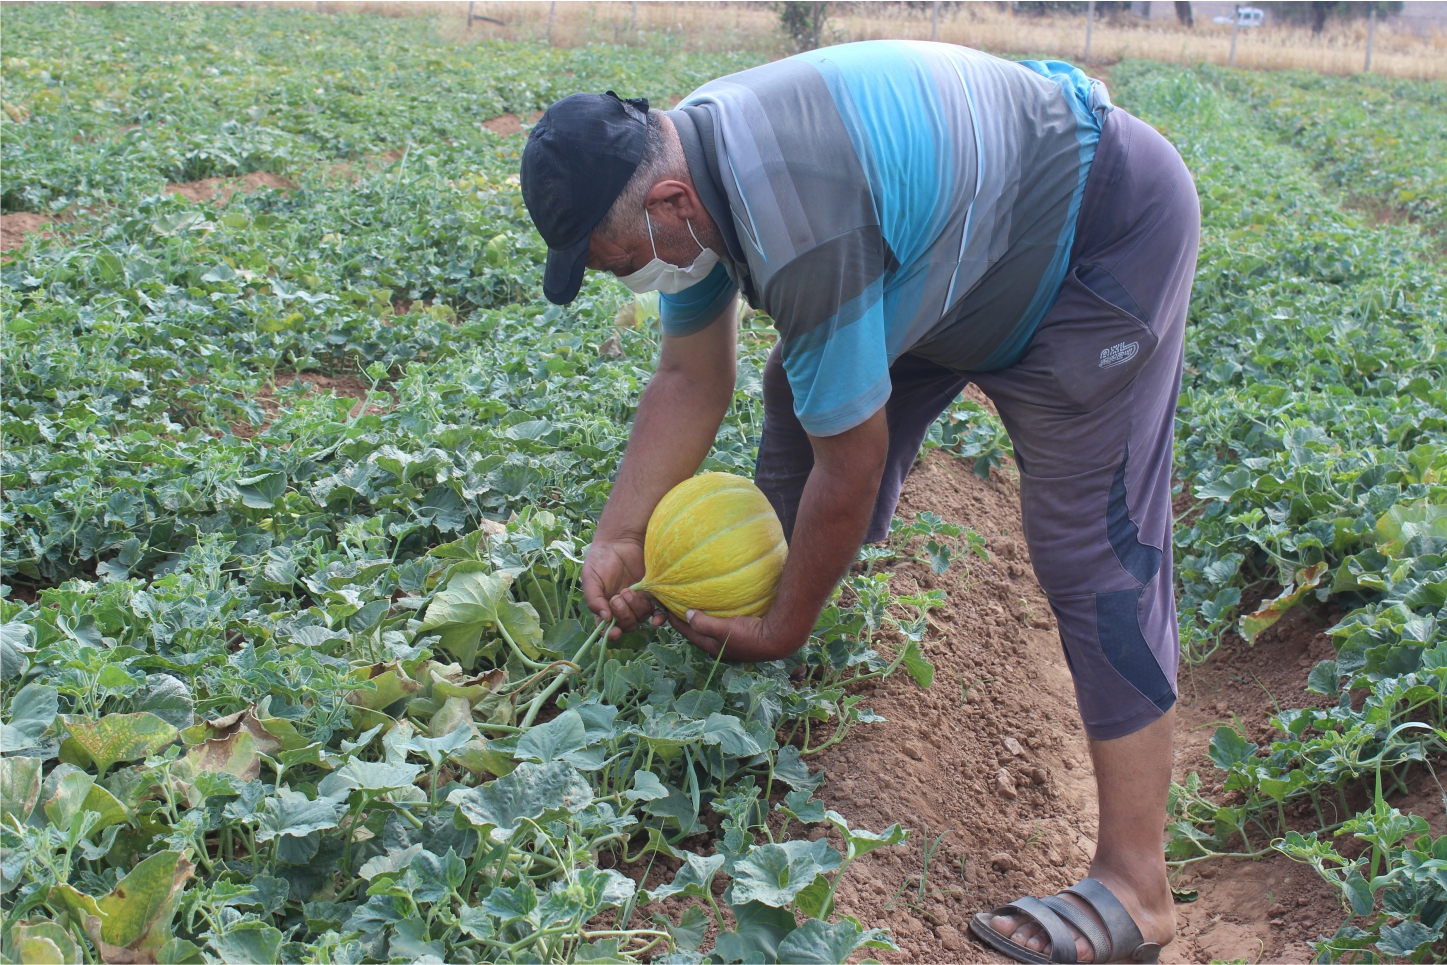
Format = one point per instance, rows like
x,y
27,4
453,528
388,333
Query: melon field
x,y
299,469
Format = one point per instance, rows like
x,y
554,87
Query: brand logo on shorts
x,y
1118,354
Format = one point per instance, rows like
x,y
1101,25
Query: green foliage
x,y
1313,439
303,675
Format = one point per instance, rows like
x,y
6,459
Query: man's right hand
x,y
612,567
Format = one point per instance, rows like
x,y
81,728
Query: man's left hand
x,y
741,639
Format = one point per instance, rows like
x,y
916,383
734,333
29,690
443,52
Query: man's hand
x,y
611,568
744,639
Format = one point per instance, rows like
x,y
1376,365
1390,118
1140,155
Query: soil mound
x,y
509,124
221,189
14,227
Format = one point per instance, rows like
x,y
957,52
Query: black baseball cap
x,y
579,157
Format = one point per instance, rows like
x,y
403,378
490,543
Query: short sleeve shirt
x,y
892,197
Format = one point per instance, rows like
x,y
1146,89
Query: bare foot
x,y
1156,920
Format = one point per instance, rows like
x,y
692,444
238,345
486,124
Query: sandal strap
x,y
1084,924
1062,941
1120,928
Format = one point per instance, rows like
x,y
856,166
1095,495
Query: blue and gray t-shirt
x,y
887,197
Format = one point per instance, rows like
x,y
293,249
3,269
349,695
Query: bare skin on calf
x,y
1132,780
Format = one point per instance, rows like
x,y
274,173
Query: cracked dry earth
x,y
936,765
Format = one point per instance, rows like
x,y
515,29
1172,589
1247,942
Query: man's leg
x,y
1091,412
919,392
1132,779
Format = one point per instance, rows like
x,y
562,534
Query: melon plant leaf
x,y
1229,749
758,930
358,775
918,667
861,842
247,942
167,698
262,490
517,903
790,768
797,805
20,786
552,741
646,787
694,878
520,620
819,943
119,737
774,873
390,863
1405,939
1307,578
43,942
691,929
291,813
528,793
134,920
463,609
436,748
729,734
32,711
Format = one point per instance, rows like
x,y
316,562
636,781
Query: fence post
x,y
934,21
552,9
1235,29
1089,24
470,5
1371,36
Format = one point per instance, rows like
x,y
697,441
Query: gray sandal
x,y
1120,942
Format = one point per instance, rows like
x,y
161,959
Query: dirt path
x,y
935,764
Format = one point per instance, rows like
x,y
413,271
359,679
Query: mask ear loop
x,y
651,243
654,245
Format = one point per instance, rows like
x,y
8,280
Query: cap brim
x,y
564,273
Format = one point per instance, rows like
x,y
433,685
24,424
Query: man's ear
x,y
674,197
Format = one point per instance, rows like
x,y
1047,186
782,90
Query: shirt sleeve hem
x,y
845,417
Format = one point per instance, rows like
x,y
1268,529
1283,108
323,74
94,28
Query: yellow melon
x,y
714,544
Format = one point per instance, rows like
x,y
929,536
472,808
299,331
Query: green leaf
x,y
797,805
247,943
646,787
19,787
358,775
860,842
520,621
261,491
1405,939
791,769
291,813
135,918
41,942
119,737
32,711
554,740
917,666
460,612
819,943
694,878
758,930
691,929
528,793
69,791
774,873
729,734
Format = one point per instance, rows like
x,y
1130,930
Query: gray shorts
x,y
1090,409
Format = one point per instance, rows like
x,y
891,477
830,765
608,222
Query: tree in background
x,y
804,22
1317,12
1183,13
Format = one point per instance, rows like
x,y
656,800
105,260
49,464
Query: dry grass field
x,y
706,24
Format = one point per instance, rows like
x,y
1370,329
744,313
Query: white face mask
x,y
659,275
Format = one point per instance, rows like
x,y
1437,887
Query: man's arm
x,y
677,420
834,515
